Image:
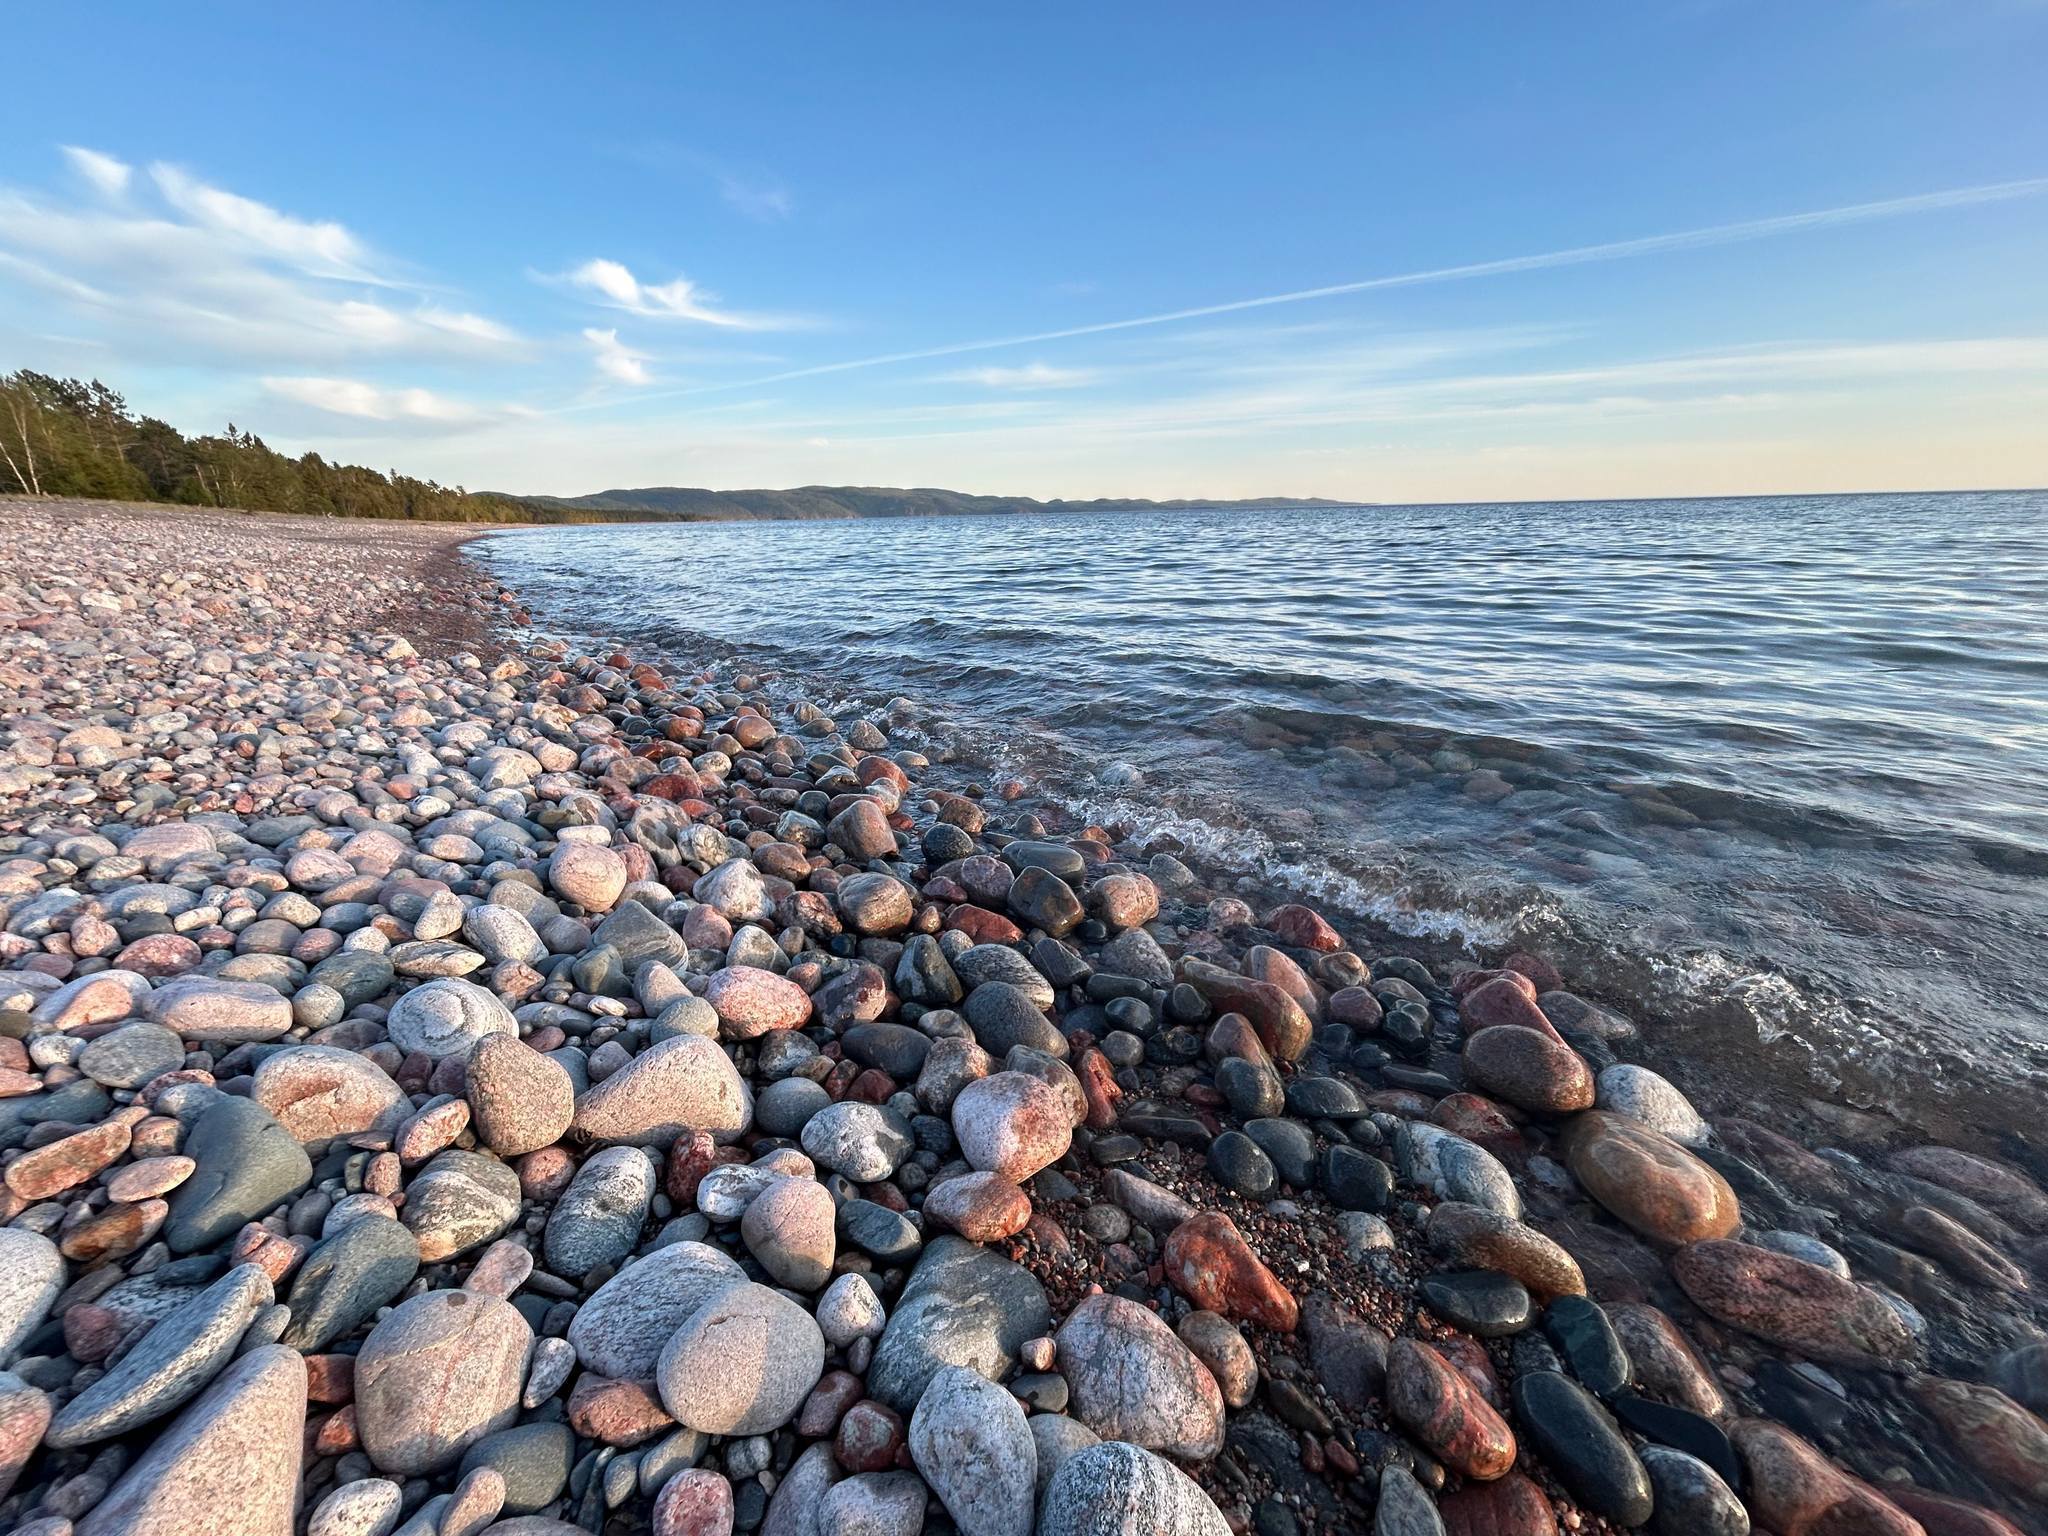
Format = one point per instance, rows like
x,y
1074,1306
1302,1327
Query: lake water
x,y
1771,773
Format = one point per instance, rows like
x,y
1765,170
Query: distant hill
x,y
686,504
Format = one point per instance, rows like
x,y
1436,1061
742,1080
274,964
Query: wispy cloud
x,y
747,190
199,274
616,360
1739,232
108,175
369,402
1029,376
614,285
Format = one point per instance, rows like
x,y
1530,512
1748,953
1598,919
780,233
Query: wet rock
x,y
1529,1070
1650,1182
1795,1491
1640,1094
1581,1443
1509,1506
1588,1343
1795,1305
1689,1496
1445,1412
1452,1168
1489,1305
1993,1433
1663,1361
1208,1261
1483,1239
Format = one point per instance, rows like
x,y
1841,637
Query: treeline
x,y
60,437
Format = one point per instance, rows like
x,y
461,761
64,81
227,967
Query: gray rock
x,y
1692,1500
785,1107
534,1460
863,1141
459,1201
437,1375
873,1504
684,1084
963,1305
369,1506
969,1440
170,1366
346,1279
1640,1094
1115,1489
130,1056
984,963
243,1433
1003,1016
789,1228
446,1017
1058,1439
640,937
246,1164
1132,1379
599,1216
620,1331
1452,1168
742,1363
850,1310
31,1276
801,1493
1404,1509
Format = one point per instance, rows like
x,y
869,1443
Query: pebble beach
x,y
457,1085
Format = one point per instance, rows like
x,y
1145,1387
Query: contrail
x,y
1578,255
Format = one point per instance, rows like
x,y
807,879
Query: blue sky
x,y
516,246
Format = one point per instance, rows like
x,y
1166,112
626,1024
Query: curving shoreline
x,y
391,845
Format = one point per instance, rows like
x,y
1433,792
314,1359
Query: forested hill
x,y
62,437
818,501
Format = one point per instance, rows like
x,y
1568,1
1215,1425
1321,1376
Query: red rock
x,y
828,1402
1446,1412
65,1164
1470,981
1233,1035
622,1413
1989,1430
694,1502
982,925
983,1207
1942,1516
1958,1248
1282,1026
1477,1119
1013,1124
1355,1006
159,954
1648,1180
337,1434
868,1438
330,1378
1795,1491
1513,1506
1541,972
1997,1186
1529,1070
1099,1088
1304,928
1124,901
1793,1304
1208,1261
543,1175
114,1233
751,1002
1503,1002
1667,1365
1267,964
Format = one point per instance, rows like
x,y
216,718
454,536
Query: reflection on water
x,y
1780,764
